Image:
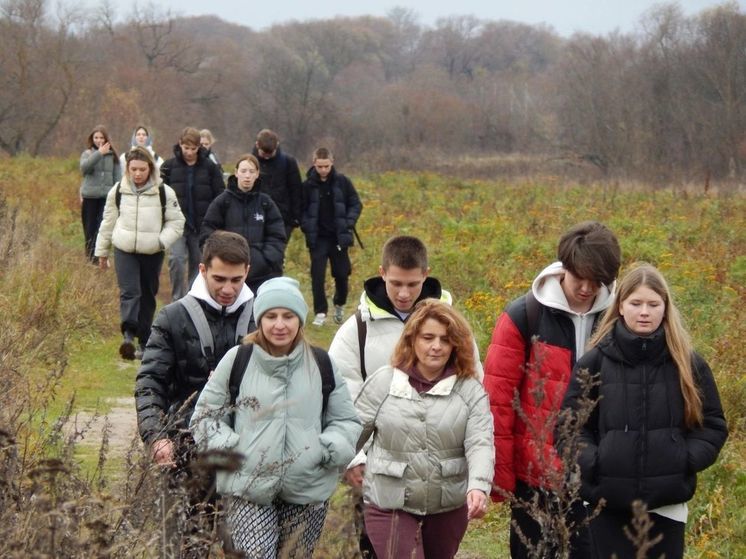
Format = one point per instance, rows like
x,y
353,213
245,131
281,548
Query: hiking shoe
x,y
139,352
339,314
127,349
319,319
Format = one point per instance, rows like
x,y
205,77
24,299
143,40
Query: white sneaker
x,y
319,319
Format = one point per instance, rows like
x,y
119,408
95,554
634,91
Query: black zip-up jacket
x,y
281,180
255,216
637,445
208,184
347,207
173,369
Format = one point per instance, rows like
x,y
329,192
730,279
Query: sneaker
x,y
127,349
339,314
319,319
139,352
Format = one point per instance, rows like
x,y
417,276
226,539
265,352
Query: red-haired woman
x,y
431,455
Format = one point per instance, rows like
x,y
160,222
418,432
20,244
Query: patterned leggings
x,y
277,530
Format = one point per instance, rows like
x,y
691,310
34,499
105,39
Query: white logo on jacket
x,y
258,217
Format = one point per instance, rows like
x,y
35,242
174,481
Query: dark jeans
x,y
91,213
397,534
137,275
183,264
579,541
326,249
607,536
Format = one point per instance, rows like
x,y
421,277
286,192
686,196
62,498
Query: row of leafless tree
x,y
665,101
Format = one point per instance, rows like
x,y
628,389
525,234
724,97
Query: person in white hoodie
x,y
534,346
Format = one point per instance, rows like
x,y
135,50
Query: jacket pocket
x,y
387,488
454,483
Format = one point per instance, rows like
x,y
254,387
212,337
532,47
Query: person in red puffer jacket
x,y
535,343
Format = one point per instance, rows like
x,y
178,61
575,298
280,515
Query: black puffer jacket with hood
x,y
637,445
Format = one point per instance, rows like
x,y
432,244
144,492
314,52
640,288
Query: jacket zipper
x,y
644,421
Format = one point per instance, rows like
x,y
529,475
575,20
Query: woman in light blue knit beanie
x,y
293,424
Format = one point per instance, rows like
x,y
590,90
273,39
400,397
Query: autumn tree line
x,y
665,101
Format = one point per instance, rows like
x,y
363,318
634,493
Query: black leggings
x,y
91,214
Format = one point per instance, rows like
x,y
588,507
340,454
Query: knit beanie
x,y
281,292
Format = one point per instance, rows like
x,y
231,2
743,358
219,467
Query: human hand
x,y
105,148
162,452
354,476
476,503
103,262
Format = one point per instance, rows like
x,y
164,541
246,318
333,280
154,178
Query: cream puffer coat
x,y
289,450
428,450
136,226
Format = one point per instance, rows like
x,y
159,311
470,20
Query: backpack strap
x,y
118,195
244,320
243,355
362,333
327,376
532,318
197,314
162,196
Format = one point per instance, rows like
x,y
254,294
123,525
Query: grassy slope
x,y
487,240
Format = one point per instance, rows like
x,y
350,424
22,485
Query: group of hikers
x,y
400,406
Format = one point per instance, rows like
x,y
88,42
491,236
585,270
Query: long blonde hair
x,y
677,338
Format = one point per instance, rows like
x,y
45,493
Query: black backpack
x,y
243,355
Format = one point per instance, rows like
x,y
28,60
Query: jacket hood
x,y
199,291
202,153
255,153
376,303
548,291
148,143
313,176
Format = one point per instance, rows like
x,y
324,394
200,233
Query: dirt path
x,y
122,426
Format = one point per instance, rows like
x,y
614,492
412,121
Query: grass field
x,y
487,240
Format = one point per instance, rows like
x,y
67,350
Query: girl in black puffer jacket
x,y
657,423
242,209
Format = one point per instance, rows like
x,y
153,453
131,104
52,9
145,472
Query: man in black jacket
x,y
331,207
175,367
280,178
197,181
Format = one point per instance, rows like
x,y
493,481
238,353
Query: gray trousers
x,y
137,275
183,264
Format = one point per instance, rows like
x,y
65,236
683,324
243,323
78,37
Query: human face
x,y
323,167
433,348
266,154
224,280
579,292
139,171
141,137
98,139
643,311
403,286
280,327
189,153
246,173
204,142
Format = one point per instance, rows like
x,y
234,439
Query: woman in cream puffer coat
x,y
431,454
141,220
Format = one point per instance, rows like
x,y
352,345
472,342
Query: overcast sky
x,y
565,16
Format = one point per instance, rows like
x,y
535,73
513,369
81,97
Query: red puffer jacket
x,y
524,449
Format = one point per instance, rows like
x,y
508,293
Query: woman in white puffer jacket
x,y
142,219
